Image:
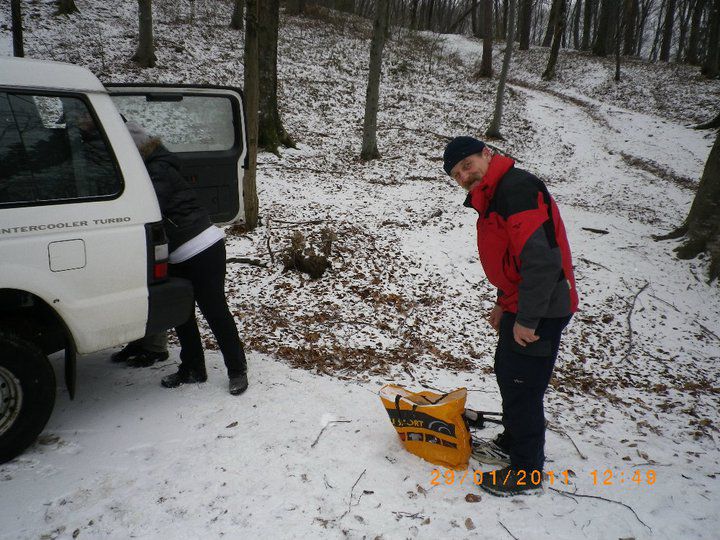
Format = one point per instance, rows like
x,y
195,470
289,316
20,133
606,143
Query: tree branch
x,y
566,493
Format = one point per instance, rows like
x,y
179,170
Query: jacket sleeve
x,y
534,248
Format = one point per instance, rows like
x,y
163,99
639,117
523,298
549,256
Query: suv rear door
x,y
205,127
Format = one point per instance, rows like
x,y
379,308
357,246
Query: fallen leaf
x,y
469,524
472,498
234,424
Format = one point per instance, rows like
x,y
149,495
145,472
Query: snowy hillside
x,y
636,384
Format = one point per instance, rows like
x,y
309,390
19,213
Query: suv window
x,y
51,149
184,123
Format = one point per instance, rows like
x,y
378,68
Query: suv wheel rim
x,y
10,399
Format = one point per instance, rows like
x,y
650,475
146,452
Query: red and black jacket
x,y
522,244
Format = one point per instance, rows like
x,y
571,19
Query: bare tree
x,y
645,7
145,53
236,22
619,30
587,24
251,85
272,133
658,31
692,56
606,22
549,73
552,22
667,31
486,64
711,66
494,130
295,7
17,29
524,23
577,13
372,96
630,20
701,228
66,7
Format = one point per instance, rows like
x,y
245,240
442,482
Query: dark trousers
x,y
523,380
206,271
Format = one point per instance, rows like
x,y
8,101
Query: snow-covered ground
x,y
404,302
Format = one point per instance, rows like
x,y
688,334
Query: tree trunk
x,y
702,225
549,73
576,25
552,23
668,31
236,22
710,67
694,40
474,22
17,29
587,25
145,53
619,31
486,64
644,13
525,20
271,132
494,130
630,15
658,31
428,20
251,87
66,7
372,96
295,7
606,22
684,11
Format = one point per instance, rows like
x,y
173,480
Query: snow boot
x,y
124,354
184,376
507,482
238,384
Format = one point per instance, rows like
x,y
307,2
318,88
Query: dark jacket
x,y
522,244
183,216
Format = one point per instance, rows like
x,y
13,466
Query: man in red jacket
x,y
525,254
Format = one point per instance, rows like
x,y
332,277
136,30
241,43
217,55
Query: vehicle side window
x,y
185,124
52,150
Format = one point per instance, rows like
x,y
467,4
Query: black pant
x,y
523,380
206,271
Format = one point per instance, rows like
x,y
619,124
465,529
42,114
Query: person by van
x,y
197,253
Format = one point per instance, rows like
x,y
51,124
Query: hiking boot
x,y
184,376
502,443
489,452
238,384
147,358
124,354
508,481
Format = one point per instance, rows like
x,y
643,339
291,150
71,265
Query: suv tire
x,y
27,394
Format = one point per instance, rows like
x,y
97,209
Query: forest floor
x,y
636,383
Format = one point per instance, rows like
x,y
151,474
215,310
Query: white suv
x,y
83,255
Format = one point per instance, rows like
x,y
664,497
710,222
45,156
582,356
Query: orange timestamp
x,y
533,478
610,477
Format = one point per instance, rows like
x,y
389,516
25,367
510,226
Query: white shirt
x,y
197,244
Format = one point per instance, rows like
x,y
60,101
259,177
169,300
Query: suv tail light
x,y
157,251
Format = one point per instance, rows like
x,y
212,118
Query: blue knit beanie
x,y
460,148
